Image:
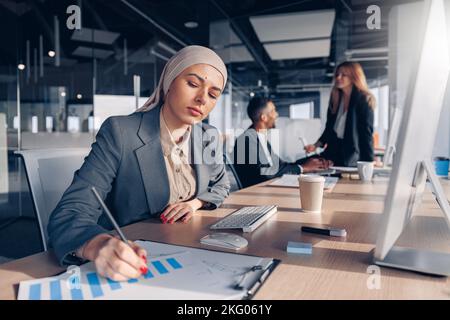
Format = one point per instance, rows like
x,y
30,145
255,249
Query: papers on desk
x,y
291,181
175,272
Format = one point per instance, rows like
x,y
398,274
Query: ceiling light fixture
x,y
191,24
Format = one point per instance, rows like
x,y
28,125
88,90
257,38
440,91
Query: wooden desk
x,y
337,269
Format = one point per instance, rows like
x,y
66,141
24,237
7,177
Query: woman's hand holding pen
x,y
180,210
114,259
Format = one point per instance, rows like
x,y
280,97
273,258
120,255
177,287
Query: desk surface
x,y
337,269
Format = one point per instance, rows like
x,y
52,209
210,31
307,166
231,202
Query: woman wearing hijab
x,y
150,163
348,134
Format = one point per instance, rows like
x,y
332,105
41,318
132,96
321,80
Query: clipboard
x,y
253,279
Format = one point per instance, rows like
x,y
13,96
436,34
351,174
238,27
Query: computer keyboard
x,y
246,218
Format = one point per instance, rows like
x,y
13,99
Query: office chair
x,y
49,173
232,174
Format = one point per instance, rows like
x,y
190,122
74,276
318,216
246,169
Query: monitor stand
x,y
423,261
428,262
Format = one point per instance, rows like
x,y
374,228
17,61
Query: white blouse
x,y
341,119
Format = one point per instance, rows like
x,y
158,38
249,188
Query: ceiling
x,y
266,44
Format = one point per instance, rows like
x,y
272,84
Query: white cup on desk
x,y
365,170
311,192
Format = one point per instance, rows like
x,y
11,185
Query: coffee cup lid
x,y
311,178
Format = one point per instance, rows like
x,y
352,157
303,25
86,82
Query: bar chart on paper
x,y
174,272
92,286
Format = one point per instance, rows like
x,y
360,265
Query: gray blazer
x,y
126,166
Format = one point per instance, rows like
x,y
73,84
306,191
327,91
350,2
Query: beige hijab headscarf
x,y
183,59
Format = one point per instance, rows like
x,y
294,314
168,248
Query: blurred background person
x,y
254,159
348,134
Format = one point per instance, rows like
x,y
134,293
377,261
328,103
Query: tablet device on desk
x,y
291,181
325,172
345,169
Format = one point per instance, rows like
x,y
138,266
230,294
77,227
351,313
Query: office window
x,y
220,116
302,110
106,105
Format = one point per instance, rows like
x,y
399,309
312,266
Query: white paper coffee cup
x,y
311,192
365,170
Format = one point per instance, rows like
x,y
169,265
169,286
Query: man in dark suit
x,y
255,159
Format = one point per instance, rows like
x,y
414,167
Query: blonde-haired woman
x,y
347,137
147,164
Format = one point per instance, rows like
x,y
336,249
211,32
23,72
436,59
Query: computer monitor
x,y
412,163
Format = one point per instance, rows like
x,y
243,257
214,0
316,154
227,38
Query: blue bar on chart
x,y
148,275
174,263
114,285
94,284
160,267
132,280
35,292
55,290
76,294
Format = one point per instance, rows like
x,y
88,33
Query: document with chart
x,y
175,273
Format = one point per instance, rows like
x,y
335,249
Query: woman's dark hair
x,y
256,106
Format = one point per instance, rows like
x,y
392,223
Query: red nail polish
x,y
144,258
171,221
143,270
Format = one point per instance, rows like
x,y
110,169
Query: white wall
x,y
290,147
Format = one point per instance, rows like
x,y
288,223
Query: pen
x,y
326,231
239,286
251,290
260,280
143,270
111,218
